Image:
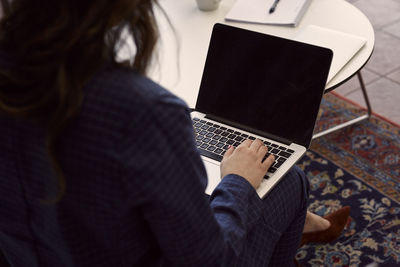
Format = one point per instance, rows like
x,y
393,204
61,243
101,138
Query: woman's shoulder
x,y
126,89
116,98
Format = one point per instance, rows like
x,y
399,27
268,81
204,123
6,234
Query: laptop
x,y
256,85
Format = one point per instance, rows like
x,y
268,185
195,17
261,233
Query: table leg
x,y
353,121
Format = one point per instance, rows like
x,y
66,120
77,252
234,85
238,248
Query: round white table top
x,y
181,54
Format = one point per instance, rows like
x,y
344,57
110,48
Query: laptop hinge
x,y
249,129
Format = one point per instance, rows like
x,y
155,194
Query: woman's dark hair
x,y
58,45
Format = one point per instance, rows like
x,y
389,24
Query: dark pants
x,y
275,240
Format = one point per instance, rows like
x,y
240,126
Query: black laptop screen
x,y
264,82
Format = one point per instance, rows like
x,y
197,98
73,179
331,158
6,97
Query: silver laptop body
x,y
256,85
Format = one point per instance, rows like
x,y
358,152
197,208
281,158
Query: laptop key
x,y
211,148
230,142
238,138
223,139
206,140
236,144
220,145
211,129
284,154
213,142
252,138
278,164
216,137
272,170
218,131
196,119
203,132
199,137
282,148
275,151
209,154
225,134
204,146
198,143
218,151
281,159
290,151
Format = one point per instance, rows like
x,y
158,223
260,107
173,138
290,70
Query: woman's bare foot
x,y
315,223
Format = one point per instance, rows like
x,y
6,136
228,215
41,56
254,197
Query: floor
x,y
382,73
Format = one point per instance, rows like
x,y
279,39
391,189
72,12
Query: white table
x,y
182,54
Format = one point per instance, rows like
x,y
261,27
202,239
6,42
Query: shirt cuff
x,y
236,188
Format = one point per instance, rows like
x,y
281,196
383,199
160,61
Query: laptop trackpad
x,y
213,174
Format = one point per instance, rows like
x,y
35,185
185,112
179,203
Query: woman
x,y
98,163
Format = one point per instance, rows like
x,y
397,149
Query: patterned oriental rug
x,y
357,166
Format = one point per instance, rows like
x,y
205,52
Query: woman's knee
x,y
288,200
297,175
300,173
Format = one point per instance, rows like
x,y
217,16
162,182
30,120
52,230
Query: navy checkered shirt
x,y
134,186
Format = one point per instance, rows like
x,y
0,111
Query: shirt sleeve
x,y
166,179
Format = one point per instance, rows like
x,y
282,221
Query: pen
x,y
273,7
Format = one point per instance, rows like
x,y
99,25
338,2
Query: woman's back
x,y
98,165
95,223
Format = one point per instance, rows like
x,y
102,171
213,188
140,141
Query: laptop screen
x,y
263,82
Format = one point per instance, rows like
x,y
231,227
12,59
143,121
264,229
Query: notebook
x,y
343,45
256,85
286,12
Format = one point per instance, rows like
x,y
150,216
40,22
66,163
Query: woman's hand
x,y
246,161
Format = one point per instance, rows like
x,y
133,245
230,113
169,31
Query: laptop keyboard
x,y
212,140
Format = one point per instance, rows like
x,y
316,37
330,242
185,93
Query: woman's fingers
x,y
247,161
246,143
228,152
269,161
256,145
